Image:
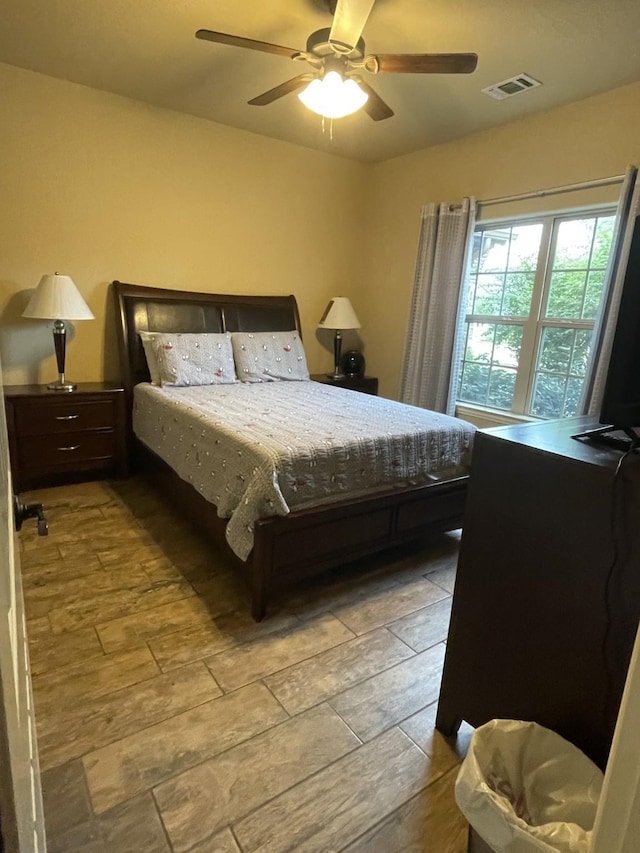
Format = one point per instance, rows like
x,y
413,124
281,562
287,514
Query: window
x,y
535,287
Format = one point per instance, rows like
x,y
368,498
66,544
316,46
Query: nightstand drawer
x,y
73,449
73,415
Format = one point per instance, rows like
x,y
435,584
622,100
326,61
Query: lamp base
x,y
337,348
61,386
335,375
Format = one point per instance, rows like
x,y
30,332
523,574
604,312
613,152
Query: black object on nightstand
x,y
352,363
57,437
365,384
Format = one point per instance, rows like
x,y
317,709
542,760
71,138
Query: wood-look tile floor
x,y
169,721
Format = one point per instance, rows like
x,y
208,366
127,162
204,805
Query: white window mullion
x,y
531,329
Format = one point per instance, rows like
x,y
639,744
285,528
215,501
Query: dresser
x,y
57,437
547,593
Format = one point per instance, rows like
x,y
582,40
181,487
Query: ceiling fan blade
x,y
239,41
427,63
348,21
375,107
279,91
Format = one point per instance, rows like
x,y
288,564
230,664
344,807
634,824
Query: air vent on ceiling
x,y
512,86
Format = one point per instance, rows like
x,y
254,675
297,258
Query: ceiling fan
x,y
337,57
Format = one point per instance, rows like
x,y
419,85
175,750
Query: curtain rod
x,y
585,185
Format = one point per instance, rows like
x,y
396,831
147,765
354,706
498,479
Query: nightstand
x,y
365,384
58,437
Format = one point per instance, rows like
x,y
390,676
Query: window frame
x,y
534,324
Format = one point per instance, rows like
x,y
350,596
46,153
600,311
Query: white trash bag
x,y
525,789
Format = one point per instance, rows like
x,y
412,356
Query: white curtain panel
x,y
434,337
628,210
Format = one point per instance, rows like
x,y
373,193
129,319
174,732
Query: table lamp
x,y
57,298
338,315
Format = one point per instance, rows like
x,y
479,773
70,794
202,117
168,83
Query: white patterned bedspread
x,y
258,450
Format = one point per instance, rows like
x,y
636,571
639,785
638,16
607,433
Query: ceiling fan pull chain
x,y
324,127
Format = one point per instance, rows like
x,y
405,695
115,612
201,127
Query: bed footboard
x,y
308,542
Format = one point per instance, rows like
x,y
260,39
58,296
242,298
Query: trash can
x,y
525,789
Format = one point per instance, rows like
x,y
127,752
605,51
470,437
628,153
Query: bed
x,y
301,541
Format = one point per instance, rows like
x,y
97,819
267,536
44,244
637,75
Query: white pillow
x,y
269,356
194,359
147,339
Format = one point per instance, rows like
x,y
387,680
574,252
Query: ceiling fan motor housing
x,y
318,43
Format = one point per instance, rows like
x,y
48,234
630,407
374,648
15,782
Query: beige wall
x,y
101,187
589,139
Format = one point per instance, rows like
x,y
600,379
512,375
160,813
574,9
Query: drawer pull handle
x,y
71,447
66,417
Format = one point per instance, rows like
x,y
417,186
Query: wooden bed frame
x,y
305,542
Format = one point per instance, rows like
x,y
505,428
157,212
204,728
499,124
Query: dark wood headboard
x,y
154,309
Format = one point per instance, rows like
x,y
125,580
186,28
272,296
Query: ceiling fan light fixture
x,y
332,96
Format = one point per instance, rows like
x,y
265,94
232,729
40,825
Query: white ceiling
x,y
146,49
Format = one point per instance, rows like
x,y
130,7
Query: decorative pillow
x,y
194,359
147,339
269,356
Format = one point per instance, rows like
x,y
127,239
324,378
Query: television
x,y
620,411
621,399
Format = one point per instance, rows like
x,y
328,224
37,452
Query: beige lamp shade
x,y
339,314
57,298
